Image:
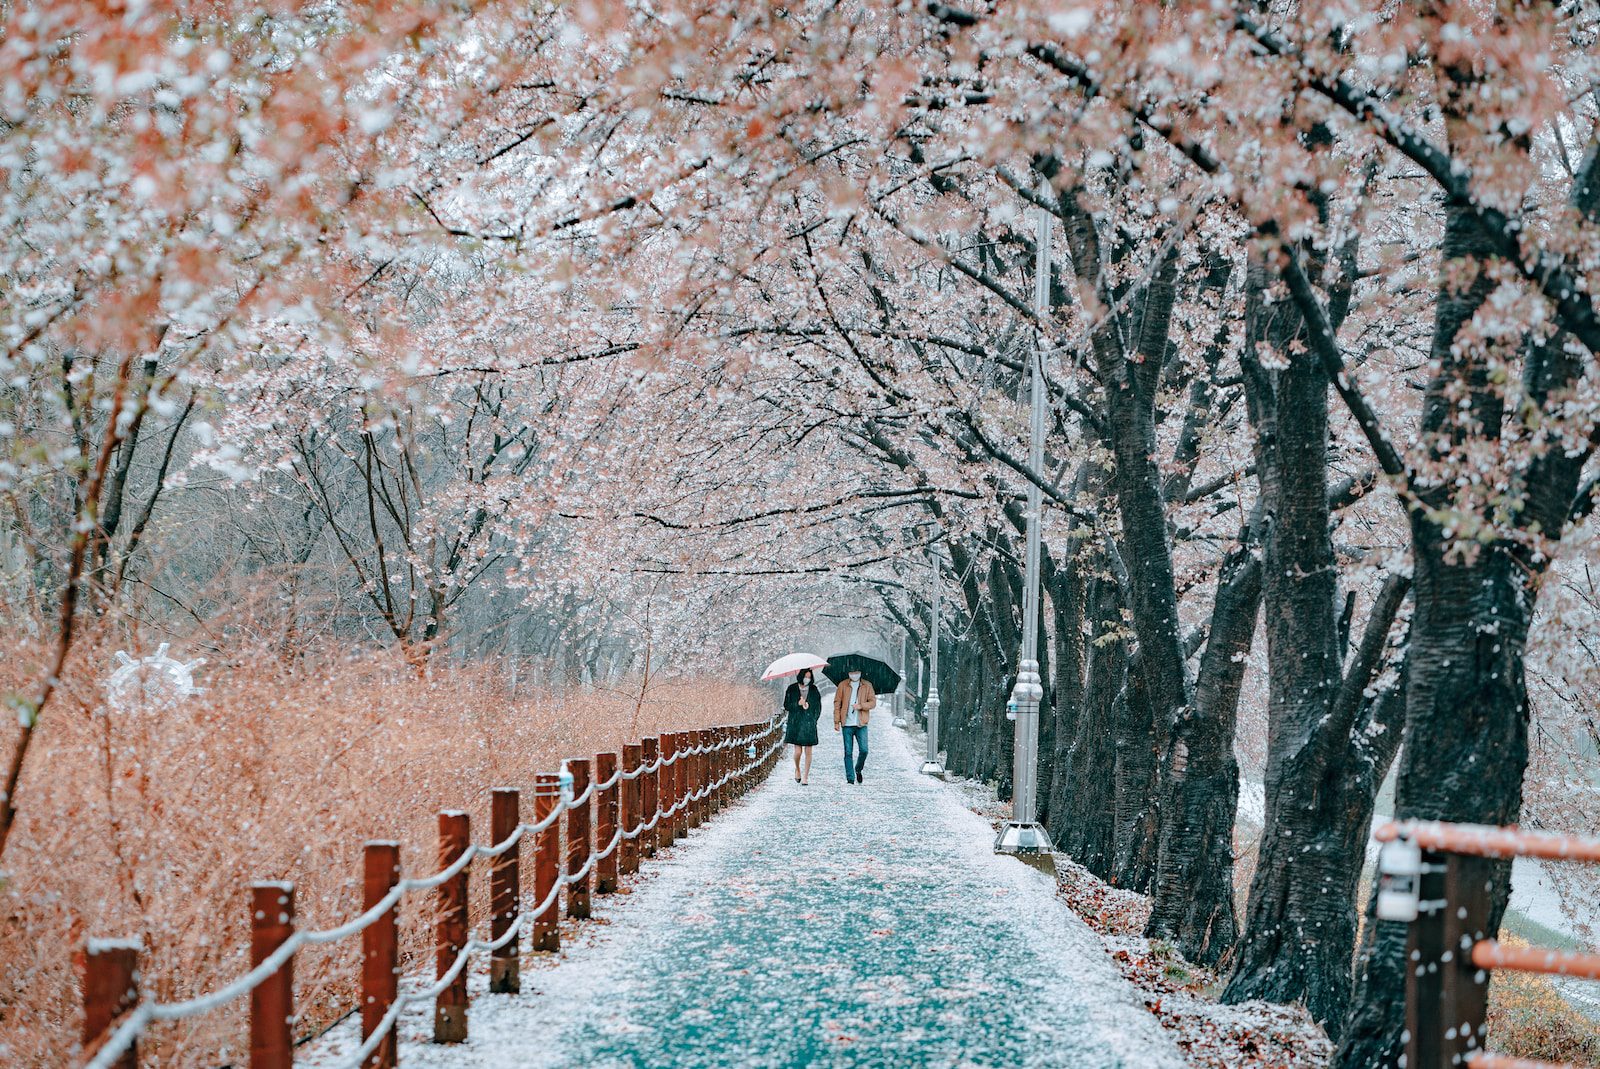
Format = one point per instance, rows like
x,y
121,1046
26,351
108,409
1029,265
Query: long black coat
x,y
802,729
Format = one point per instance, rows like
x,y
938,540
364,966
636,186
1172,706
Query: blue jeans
x,y
854,738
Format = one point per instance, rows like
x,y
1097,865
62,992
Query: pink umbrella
x,y
794,662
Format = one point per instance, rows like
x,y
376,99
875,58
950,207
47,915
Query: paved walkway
x,y
823,925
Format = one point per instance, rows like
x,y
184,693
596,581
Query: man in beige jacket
x,y
853,703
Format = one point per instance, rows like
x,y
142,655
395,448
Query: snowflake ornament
x,y
153,683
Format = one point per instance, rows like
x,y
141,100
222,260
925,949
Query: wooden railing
x,y
640,800
1438,876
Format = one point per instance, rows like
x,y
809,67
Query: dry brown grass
x,y
1529,1018
153,825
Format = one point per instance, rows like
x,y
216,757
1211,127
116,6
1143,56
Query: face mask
x,y
855,676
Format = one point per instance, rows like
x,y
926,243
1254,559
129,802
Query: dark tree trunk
x,y
1065,695
1006,612
1193,901
1299,935
1285,953
1130,395
1137,781
1466,702
1158,690
1087,828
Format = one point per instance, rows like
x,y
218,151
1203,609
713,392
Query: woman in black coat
x,y
803,704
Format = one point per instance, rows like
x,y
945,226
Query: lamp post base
x,y
899,721
932,768
1027,842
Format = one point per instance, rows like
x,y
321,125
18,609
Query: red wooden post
x,y
1425,1026
505,891
272,1002
719,736
687,741
578,847
712,758
632,811
110,989
452,929
649,796
1464,988
736,755
748,777
546,863
380,951
684,784
708,767
669,789
605,824
743,757
702,777
725,766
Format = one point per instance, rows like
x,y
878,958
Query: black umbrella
x,y
884,679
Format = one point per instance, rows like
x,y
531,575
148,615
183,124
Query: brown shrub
x,y
1529,1018
153,824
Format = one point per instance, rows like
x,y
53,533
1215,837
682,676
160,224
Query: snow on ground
x,y
1180,995
818,925
1183,996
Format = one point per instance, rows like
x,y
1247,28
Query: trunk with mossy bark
x,y
1086,826
1192,906
1299,934
1192,898
1465,747
1130,349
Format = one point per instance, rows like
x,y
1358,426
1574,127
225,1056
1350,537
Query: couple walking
x,y
853,703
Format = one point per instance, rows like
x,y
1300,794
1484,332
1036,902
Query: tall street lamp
x,y
901,697
931,765
1023,834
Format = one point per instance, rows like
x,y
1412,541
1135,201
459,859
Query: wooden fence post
x,y
546,863
649,796
110,989
450,1008
730,761
578,847
272,1002
702,777
684,785
668,789
1424,947
691,782
713,763
380,951
711,773
748,777
1464,987
632,811
722,768
739,760
505,891
605,824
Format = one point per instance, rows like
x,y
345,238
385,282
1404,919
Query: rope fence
x,y
1438,878
680,778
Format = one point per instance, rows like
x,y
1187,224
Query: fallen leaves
x,y
1180,994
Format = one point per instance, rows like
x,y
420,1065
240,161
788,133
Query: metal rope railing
x,y
116,1044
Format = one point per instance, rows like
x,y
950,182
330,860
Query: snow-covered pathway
x,y
821,925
